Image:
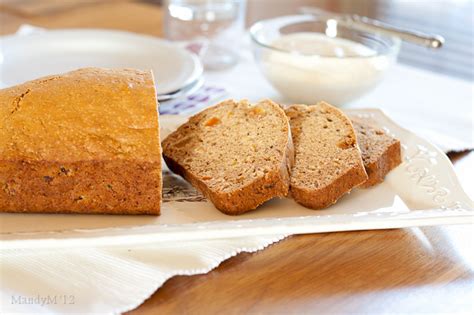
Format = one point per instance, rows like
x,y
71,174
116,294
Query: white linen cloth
x,y
118,279
106,280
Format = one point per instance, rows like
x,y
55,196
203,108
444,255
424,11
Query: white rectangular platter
x,y
422,191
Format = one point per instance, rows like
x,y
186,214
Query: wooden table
x,y
392,271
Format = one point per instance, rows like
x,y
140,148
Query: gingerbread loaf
x,y
83,142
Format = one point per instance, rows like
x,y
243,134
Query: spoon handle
x,y
366,24
415,37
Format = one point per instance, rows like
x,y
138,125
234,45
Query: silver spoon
x,y
366,24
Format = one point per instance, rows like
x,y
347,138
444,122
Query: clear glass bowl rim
x,y
392,49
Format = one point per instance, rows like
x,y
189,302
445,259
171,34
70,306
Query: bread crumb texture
x,y
380,152
237,154
328,161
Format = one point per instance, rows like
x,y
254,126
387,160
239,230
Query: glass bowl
x,y
309,58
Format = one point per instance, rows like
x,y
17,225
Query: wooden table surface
x,y
416,270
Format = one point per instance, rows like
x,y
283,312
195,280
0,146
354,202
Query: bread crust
x,y
249,197
330,194
86,141
273,184
87,187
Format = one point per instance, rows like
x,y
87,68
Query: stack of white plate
x,y
26,57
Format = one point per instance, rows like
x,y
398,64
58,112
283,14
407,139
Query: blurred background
x,y
453,19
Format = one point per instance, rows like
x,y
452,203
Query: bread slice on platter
x,y
83,142
237,154
328,162
380,152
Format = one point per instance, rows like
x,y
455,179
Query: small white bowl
x,y
309,58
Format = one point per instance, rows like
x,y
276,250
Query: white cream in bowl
x,y
313,66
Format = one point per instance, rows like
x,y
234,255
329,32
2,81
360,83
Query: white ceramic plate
x,y
423,190
27,57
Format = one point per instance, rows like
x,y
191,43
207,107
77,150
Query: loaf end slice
x,y
380,152
328,161
237,154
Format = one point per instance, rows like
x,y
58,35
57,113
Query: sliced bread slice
x,y
328,161
237,154
380,152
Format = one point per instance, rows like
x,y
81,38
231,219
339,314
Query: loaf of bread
x,y
380,152
83,142
328,161
237,154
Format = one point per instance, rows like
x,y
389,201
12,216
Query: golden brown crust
x,y
101,187
83,142
85,114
